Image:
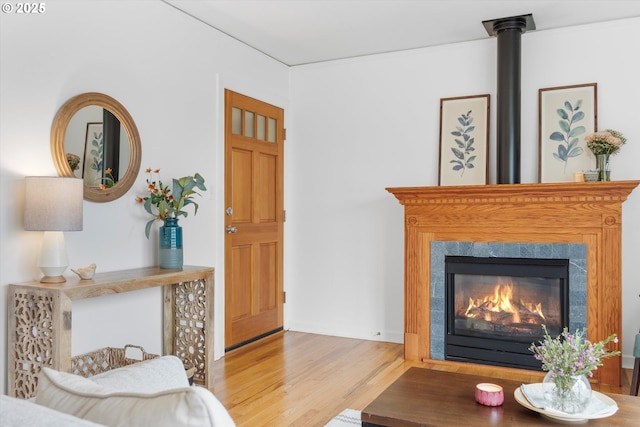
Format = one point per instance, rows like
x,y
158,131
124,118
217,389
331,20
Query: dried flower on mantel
x,y
606,142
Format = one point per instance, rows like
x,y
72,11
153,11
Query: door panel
x,y
242,168
241,263
254,218
267,189
268,256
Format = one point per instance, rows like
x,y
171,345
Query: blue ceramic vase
x,y
170,244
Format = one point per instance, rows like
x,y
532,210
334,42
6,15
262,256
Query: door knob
x,y
231,229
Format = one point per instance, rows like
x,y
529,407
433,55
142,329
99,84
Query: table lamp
x,y
53,205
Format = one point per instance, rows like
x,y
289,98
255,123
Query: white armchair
x,y
155,392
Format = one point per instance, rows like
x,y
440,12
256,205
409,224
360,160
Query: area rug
x,y
346,418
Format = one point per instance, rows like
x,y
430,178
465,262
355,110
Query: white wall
x,y
354,128
170,72
365,124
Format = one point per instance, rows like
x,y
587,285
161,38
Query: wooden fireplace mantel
x,y
588,213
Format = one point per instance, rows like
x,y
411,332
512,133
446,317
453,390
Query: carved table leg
x,y
191,326
31,330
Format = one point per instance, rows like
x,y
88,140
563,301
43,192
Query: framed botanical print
x,y
566,114
464,140
93,169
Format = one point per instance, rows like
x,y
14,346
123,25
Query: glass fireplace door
x,y
496,307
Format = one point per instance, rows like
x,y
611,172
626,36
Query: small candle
x,y
488,394
578,177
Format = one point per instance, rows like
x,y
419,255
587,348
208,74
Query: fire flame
x,y
501,302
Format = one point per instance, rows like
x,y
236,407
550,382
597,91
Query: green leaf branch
x,y
464,144
568,134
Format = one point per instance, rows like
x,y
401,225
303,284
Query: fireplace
x,y
497,217
495,307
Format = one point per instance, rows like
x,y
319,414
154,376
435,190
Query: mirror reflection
x,y
93,137
97,147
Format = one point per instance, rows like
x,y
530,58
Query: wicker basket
x,y
105,359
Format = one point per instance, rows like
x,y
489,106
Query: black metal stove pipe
x,y
508,32
508,114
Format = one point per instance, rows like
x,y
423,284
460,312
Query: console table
x,y
39,320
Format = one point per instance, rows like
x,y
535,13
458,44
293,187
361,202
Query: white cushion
x,y
21,413
150,376
108,405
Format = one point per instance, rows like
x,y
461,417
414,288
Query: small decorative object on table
x,y
569,359
167,204
591,176
85,273
603,145
489,394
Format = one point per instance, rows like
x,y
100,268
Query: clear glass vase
x,y
170,244
604,174
570,394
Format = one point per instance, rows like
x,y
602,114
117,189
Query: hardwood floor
x,y
298,379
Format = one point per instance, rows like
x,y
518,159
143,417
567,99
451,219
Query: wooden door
x,y
254,216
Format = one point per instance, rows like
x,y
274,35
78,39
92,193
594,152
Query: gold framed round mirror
x,y
93,137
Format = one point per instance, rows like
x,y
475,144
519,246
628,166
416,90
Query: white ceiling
x,y
297,32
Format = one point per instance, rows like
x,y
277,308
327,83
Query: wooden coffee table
x,y
426,397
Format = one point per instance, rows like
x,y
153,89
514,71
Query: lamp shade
x,y
53,203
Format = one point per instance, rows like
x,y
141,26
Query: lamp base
x,y
53,279
53,257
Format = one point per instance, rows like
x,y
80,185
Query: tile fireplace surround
x,y
573,213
